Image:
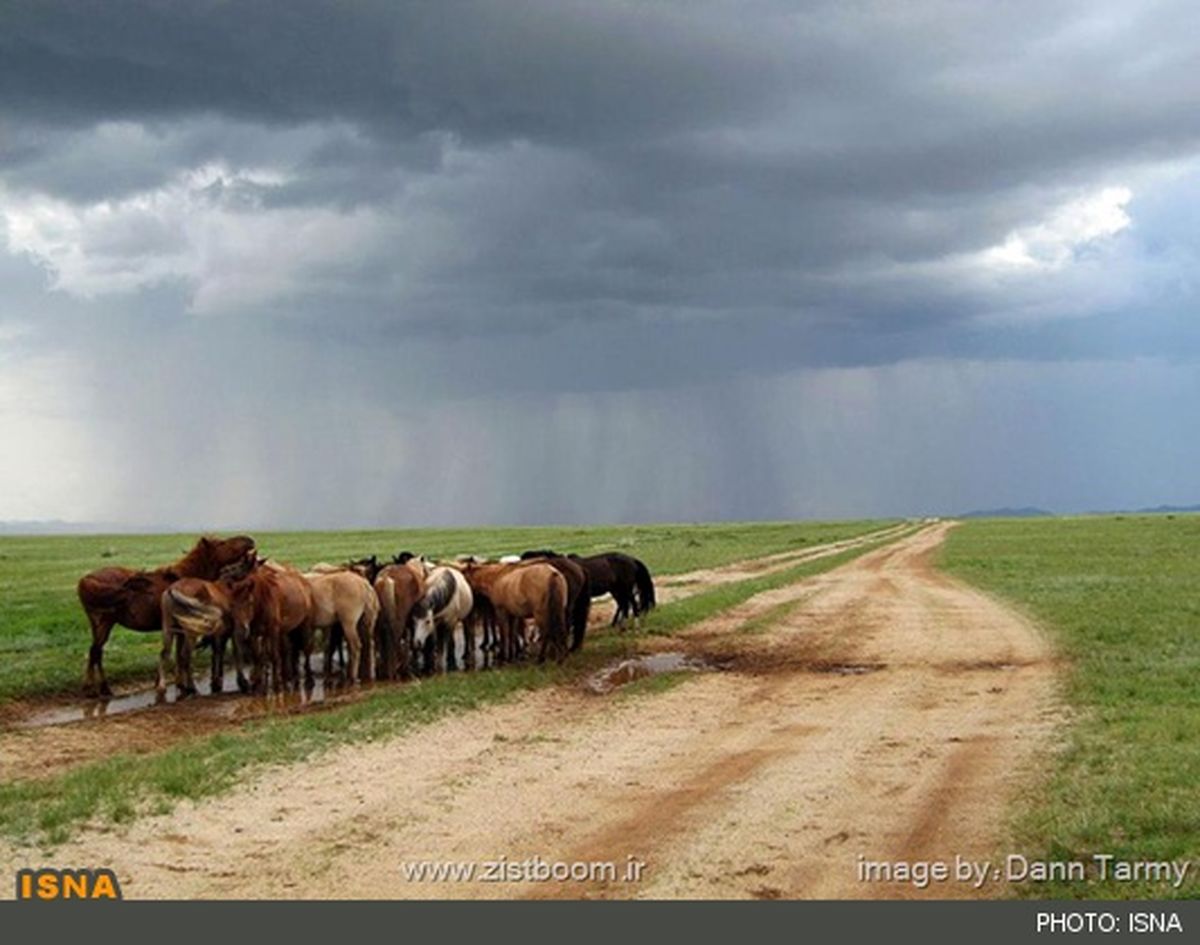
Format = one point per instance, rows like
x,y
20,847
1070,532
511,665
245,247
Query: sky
x,y
309,264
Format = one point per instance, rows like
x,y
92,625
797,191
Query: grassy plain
x,y
1120,596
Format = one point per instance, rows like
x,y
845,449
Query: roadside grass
x,y
116,790
1121,597
44,635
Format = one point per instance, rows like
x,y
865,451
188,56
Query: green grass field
x,y
44,635
1120,596
118,788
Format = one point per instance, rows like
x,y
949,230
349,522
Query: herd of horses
x,y
379,620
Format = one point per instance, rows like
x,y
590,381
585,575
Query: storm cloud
x,y
309,264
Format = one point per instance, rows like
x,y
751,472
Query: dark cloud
x,y
640,221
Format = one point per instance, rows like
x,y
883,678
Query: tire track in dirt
x,y
893,713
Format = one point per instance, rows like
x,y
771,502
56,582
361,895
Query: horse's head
x,y
243,603
365,567
423,625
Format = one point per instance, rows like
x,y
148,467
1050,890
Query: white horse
x,y
446,603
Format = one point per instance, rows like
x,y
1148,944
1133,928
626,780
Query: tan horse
x,y
194,609
272,617
133,599
344,600
399,587
518,592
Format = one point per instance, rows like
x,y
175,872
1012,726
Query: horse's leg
x,y
543,625
255,651
307,639
185,684
621,596
354,645
429,654
509,629
94,683
217,682
439,647
243,684
367,637
468,642
329,648
279,656
164,660
385,646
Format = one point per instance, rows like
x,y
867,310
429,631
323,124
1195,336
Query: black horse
x,y
623,576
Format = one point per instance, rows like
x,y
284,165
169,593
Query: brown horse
x,y
399,588
579,590
518,592
195,609
272,617
133,599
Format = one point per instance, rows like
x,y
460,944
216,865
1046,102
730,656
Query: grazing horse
x,y
272,617
133,599
623,576
579,591
534,591
399,587
194,609
345,601
446,602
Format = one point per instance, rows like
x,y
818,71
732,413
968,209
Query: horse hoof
x,y
105,691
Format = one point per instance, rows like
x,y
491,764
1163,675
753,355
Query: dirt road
x,y
880,709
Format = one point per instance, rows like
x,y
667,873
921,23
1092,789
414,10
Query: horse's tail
x,y
579,619
368,621
645,585
385,590
194,616
556,626
370,615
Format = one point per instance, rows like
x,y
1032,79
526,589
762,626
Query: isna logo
x,y
49,884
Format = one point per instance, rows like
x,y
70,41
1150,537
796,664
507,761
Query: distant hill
x,y
1026,512
1169,508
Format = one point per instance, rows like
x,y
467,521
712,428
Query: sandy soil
x,y
885,710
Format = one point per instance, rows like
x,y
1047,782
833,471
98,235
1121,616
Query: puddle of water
x,y
228,704
653,664
845,669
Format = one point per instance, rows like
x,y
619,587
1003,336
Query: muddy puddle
x,y
653,664
229,703
844,669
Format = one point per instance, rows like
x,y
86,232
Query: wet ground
x,y
653,664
